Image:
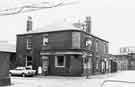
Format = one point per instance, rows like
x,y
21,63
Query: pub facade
x,y
65,51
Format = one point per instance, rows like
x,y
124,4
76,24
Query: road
x,y
119,79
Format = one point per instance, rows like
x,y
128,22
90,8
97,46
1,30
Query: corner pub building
x,y
67,50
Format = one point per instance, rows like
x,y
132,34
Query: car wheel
x,y
23,75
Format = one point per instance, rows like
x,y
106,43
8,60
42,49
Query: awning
x,y
59,53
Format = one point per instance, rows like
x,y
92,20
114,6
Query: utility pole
x,y
87,71
86,62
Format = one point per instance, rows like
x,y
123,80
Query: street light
x,y
85,57
87,71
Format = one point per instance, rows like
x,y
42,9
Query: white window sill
x,y
60,66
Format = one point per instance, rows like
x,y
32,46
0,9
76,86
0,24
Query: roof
x,y
128,47
58,26
6,47
120,55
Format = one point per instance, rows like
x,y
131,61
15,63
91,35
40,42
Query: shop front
x,y
62,63
87,64
45,64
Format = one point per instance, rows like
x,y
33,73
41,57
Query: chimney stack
x,y
29,24
88,24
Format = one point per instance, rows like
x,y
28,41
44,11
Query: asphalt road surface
x,y
119,79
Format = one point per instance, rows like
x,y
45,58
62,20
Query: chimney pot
x,y
29,24
88,24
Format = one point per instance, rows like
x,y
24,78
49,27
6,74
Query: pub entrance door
x,y
45,64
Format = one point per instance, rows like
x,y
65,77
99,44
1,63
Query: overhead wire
x,y
40,8
32,7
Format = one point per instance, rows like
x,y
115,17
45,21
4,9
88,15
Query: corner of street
x,y
104,80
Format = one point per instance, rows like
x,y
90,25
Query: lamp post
x,y
85,57
87,71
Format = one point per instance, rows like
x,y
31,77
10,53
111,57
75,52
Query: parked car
x,y
23,71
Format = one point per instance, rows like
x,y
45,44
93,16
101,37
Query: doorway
x,y
45,64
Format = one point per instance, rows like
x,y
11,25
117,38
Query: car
x,y
23,71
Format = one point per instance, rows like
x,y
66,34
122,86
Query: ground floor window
x,y
60,61
28,61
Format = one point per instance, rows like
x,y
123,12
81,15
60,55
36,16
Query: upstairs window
x,y
104,48
45,40
59,61
29,43
96,46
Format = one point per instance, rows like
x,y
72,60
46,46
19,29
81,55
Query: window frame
x,y
29,43
105,50
96,45
28,61
56,61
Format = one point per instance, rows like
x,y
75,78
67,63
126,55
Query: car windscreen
x,y
20,68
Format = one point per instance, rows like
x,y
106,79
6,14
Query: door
x,y
45,64
76,65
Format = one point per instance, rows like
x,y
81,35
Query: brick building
x,y
131,61
67,50
129,53
126,58
122,62
7,52
10,49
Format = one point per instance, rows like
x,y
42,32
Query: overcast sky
x,y
112,20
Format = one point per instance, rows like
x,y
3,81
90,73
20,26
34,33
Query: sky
x,y
112,20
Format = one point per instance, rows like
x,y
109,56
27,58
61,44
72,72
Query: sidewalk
x,y
62,81
103,76
99,76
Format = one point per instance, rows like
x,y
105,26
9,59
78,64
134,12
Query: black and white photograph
x,y
67,43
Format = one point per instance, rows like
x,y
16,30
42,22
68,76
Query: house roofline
x,y
31,33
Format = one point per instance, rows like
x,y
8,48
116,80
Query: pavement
x,y
119,79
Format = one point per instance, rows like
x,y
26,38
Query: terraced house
x,y
61,49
